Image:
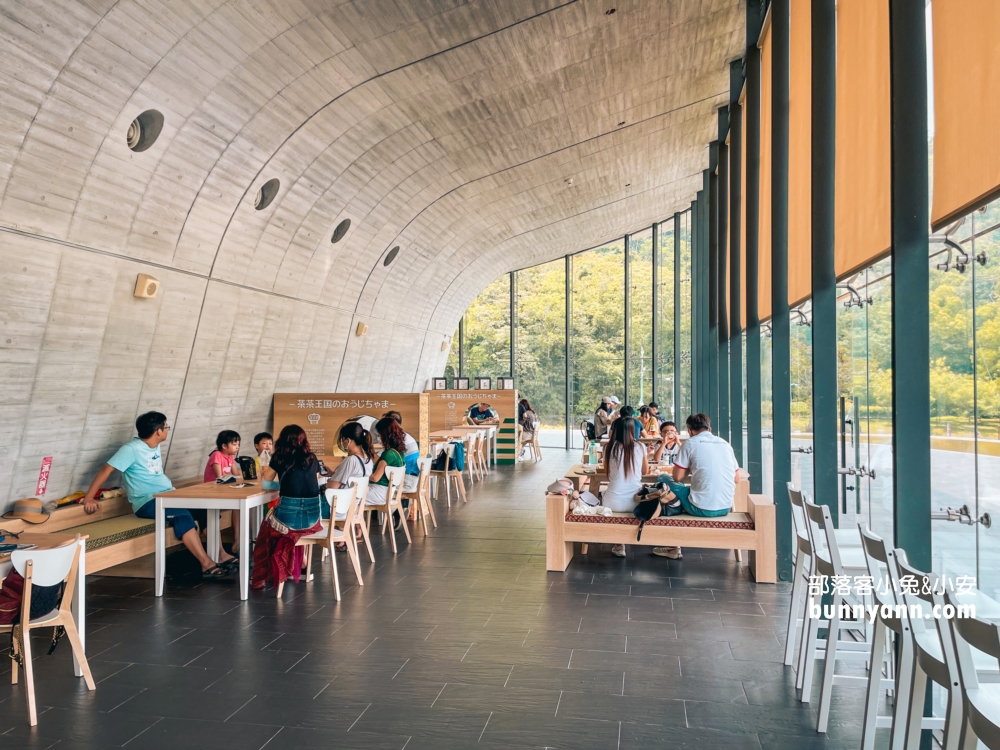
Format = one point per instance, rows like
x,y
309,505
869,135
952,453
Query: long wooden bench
x,y
749,526
118,542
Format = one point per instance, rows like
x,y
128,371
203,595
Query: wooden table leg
x,y
79,605
161,546
245,555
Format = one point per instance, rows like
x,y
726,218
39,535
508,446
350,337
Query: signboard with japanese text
x,y
447,409
321,415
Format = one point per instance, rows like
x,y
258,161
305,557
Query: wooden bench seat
x,y
118,541
750,526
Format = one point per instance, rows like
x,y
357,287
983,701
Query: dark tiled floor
x,y
461,640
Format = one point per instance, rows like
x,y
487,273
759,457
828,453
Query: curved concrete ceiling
x,y
446,128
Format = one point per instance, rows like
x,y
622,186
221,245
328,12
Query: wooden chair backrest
x,y
349,495
395,475
47,567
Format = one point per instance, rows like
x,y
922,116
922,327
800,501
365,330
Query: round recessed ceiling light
x,y
340,231
266,194
144,130
391,256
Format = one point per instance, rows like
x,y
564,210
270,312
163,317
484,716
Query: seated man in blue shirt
x,y
483,414
141,467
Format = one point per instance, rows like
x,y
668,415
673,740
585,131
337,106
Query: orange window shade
x,y
862,202
764,233
800,154
743,213
966,107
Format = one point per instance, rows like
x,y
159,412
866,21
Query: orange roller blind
x,y
862,202
800,155
966,107
743,210
764,232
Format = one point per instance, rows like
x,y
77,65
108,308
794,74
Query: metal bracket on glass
x,y
857,471
855,299
803,319
963,515
960,262
808,449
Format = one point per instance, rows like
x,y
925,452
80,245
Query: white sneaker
x,y
674,553
618,550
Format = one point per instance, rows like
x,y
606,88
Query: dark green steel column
x,y
780,353
722,224
824,276
656,313
461,347
628,321
911,447
735,196
755,462
704,222
566,351
696,324
712,345
677,318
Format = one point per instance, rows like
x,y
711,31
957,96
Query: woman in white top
x,y
626,462
356,442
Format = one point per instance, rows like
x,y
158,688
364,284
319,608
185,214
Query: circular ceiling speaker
x,y
340,231
266,194
391,256
144,130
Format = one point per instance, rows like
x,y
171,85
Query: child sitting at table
x,y
220,466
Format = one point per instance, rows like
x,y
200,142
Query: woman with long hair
x,y
603,417
648,422
356,442
393,441
295,469
626,462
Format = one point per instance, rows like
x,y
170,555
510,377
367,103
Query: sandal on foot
x,y
216,572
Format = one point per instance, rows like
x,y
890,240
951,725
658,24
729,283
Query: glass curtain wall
x,y
540,350
487,332
665,320
597,331
800,349
640,324
595,318
685,284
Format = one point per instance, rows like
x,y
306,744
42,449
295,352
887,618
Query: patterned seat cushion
x,y
732,521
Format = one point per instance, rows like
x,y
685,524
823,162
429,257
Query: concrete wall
x,y
478,137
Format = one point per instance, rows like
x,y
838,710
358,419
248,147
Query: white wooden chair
x,y
882,674
46,568
804,568
449,475
420,500
393,502
345,501
484,452
829,562
980,702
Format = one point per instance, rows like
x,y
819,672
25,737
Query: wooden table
x,y
79,603
581,477
440,437
213,498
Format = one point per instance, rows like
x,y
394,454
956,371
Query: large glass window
x,y
597,330
540,364
800,361
665,320
487,332
640,294
685,353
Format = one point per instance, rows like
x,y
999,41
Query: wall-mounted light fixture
x,y
361,330
146,287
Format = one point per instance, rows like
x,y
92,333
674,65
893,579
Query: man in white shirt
x,y
714,472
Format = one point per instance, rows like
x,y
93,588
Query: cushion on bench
x,y
730,521
113,530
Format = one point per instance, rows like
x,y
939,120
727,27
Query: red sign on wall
x,y
43,476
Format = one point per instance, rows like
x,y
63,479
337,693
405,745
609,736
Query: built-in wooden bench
x,y
749,526
118,541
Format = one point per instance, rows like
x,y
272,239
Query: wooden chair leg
x,y
29,676
423,502
355,554
406,528
368,541
430,507
14,668
308,552
74,639
460,481
279,588
336,574
739,555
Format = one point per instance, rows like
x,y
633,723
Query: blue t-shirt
x,y
478,416
142,470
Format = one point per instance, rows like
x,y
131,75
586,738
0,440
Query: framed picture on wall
x,y
484,384
461,384
439,384
505,384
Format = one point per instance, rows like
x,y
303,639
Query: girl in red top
x,y
220,466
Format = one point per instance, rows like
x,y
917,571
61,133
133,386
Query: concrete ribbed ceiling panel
x,y
447,128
